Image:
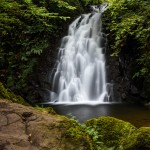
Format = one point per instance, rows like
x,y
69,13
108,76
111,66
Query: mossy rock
x,y
139,140
6,94
49,110
112,131
27,128
62,134
3,92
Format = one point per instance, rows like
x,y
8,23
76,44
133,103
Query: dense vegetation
x,y
28,27
128,27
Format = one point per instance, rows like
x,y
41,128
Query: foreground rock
x,y
114,132
25,128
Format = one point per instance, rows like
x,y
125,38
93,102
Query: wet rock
x,y
120,71
134,90
48,96
147,105
123,96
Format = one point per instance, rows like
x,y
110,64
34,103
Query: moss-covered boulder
x,y
117,133
112,131
139,140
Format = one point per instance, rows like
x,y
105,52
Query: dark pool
x,y
135,114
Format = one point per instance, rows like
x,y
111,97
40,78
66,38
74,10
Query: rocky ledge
x,y
28,128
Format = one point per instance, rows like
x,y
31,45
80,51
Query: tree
x,y
26,29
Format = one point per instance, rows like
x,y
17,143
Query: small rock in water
x,y
123,96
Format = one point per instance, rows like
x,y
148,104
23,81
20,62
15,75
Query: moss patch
x,y
116,133
6,94
139,140
46,110
112,131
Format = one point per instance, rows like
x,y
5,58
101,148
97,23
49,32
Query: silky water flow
x,y
80,75
79,80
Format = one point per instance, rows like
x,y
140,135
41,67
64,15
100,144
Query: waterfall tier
x,y
80,75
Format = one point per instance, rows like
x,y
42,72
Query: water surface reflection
x,y
135,114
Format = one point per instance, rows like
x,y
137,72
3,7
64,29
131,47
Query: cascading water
x,y
80,76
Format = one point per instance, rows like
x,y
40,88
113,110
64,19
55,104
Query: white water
x,y
81,76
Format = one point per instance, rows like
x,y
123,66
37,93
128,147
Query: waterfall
x,y
80,74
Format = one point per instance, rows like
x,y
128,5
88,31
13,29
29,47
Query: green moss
x,y
73,132
60,128
116,133
3,92
6,94
111,131
139,140
49,110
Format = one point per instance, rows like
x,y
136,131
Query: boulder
x,y
115,133
112,131
139,140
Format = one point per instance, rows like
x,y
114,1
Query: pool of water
x,y
136,114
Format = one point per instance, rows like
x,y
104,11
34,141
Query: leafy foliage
x,y
26,27
129,31
91,2
95,136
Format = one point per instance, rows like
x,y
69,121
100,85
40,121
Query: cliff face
x,y
120,70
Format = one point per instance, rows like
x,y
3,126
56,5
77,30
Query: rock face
x,y
116,76
25,128
120,75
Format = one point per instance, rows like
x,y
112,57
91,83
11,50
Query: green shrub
x,y
127,25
